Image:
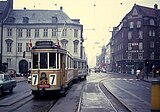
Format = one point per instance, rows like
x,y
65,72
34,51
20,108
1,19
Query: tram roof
x,y
46,45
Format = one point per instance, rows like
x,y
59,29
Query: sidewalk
x,y
20,79
150,79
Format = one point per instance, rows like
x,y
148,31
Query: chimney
x,y
25,8
61,8
155,6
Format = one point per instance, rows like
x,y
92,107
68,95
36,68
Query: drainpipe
x,y
1,44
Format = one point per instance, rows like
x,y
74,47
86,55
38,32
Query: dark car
x,y
6,83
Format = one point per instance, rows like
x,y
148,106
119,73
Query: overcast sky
x,y
101,15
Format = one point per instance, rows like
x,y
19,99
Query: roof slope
x,y
151,12
2,5
40,16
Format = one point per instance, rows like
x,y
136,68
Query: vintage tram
x,y
54,69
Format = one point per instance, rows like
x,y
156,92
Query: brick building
x,y
136,39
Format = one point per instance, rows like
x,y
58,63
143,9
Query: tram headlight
x,y
43,75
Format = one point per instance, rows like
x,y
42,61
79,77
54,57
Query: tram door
x,y
62,68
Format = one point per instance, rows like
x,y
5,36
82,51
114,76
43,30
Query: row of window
x,y
19,47
140,55
131,46
139,23
140,34
26,20
54,32
54,61
140,45
130,54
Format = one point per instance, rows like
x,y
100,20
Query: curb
x,y
80,99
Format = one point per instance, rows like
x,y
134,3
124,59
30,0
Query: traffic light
x,y
146,62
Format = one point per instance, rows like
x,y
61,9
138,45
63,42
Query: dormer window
x,y
10,20
25,20
54,19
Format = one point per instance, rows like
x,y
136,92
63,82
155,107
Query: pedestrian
x,y
138,74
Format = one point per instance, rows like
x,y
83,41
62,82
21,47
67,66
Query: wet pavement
x,y
92,99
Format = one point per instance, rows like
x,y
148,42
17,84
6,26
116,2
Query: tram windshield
x,y
45,60
52,60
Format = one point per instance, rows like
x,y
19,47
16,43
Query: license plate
x,y
44,86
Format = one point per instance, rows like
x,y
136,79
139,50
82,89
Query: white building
x,y
108,57
22,26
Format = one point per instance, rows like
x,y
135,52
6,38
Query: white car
x,y
29,79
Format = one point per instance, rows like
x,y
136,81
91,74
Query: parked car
x,y
29,79
6,83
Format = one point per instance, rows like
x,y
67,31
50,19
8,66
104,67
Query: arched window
x,y
25,20
9,45
76,46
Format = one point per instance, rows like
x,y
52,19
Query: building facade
x,y
108,57
5,7
136,39
22,27
100,59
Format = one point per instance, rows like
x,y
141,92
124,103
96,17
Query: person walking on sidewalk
x,y
138,74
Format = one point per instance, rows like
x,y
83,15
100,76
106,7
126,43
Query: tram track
x,y
114,102
30,103
39,104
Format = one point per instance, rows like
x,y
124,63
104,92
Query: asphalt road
x,y
85,96
134,94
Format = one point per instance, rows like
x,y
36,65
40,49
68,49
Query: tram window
x,y
35,60
43,60
52,60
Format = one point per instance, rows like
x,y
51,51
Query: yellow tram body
x,y
53,68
